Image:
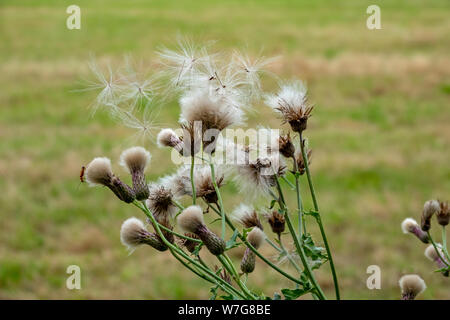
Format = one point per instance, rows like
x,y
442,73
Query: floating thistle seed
x,y
191,220
99,172
410,225
133,233
411,285
433,255
168,138
430,207
136,160
276,221
292,103
246,216
443,215
255,238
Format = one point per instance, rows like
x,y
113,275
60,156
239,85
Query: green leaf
x,y
213,291
229,297
292,294
272,204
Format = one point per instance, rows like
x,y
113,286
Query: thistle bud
x,y
99,172
301,167
168,138
430,207
443,215
410,225
434,256
411,285
191,220
286,146
276,222
136,160
133,233
255,238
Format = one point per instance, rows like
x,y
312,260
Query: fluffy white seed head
x,y
412,285
429,208
135,159
190,219
99,171
431,253
409,224
246,216
167,138
160,202
256,237
132,233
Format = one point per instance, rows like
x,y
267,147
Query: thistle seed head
x,y
134,233
429,209
443,215
411,285
168,138
135,159
276,222
160,202
409,225
300,163
246,216
256,237
191,219
248,261
286,147
99,172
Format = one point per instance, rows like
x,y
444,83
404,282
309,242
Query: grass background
x,y
380,134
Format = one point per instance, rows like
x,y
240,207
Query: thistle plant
x,y
435,252
215,92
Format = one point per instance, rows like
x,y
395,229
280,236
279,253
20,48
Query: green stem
x,y
301,221
230,268
194,193
299,248
252,248
172,248
219,197
319,220
437,250
292,261
444,243
179,235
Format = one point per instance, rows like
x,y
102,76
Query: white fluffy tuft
x,y
412,284
99,171
135,159
431,253
408,225
131,233
167,138
430,207
256,237
190,219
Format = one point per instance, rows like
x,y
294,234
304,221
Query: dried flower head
x,y
409,225
258,176
191,221
286,147
246,216
443,215
433,255
300,163
276,221
99,172
136,160
160,203
189,244
168,138
429,209
411,285
133,233
255,238
291,103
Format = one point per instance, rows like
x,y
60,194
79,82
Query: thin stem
x,y
299,248
444,242
177,205
319,220
194,193
179,235
288,182
301,221
252,248
437,250
219,197
228,264
292,261
172,248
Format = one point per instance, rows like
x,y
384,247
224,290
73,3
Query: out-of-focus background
x,y
380,134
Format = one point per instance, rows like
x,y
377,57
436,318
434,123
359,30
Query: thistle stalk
x,y
194,194
318,218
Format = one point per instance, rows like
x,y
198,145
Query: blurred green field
x,y
380,134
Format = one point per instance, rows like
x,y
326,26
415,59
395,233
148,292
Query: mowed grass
x,y
379,134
